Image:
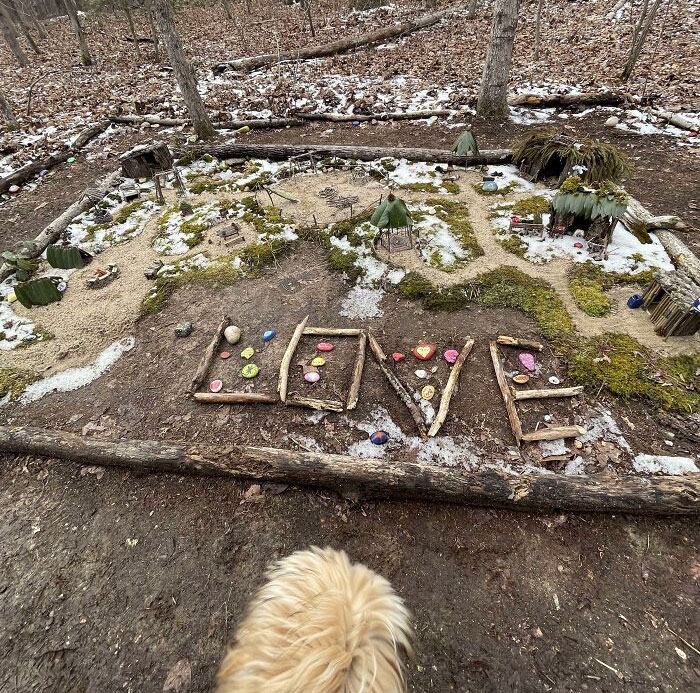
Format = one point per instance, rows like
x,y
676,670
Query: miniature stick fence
x,y
368,478
287,359
450,388
399,387
204,364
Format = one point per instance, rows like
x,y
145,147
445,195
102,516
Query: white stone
x,y
232,334
612,121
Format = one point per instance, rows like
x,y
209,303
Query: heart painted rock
x,y
318,361
428,392
423,351
269,335
398,356
379,437
224,354
232,334
250,370
247,352
325,346
216,385
451,355
312,376
528,361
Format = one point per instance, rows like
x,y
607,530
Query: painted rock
x,y
62,286
547,418
379,437
318,361
428,392
184,328
250,370
554,380
13,189
420,373
578,244
325,346
527,360
423,351
612,121
216,385
224,354
70,160
521,378
232,334
312,376
398,356
247,352
451,355
269,335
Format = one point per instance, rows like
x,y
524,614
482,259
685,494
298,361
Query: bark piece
x,y
356,379
204,364
506,393
287,359
505,340
676,119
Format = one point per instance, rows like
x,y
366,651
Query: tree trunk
x,y
369,478
72,10
499,56
538,29
7,112
54,230
21,20
10,36
132,29
639,36
184,74
280,152
680,253
307,8
471,12
342,46
227,8
31,10
154,32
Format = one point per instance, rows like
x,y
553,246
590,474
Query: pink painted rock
x,y
424,351
312,376
225,354
527,360
451,355
398,356
325,346
216,385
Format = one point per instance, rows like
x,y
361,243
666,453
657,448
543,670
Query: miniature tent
x,y
393,220
465,144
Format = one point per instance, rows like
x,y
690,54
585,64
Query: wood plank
x,y
506,393
554,433
548,394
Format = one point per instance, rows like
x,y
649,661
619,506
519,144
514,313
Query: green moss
x,y
344,261
513,244
456,215
421,187
204,184
451,187
13,381
531,206
119,218
589,297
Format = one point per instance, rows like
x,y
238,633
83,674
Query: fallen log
x,y
333,331
287,359
591,98
54,230
638,218
350,117
281,152
675,119
370,478
680,253
253,123
30,170
336,47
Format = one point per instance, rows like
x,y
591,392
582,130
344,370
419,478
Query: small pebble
x,y
250,370
224,354
420,373
669,443
13,189
548,418
318,361
521,378
398,356
312,376
424,351
451,355
216,385
232,334
247,352
184,329
554,380
325,346
612,121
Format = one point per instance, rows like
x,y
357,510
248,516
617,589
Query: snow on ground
x,y
655,464
362,302
14,330
436,242
604,427
407,172
178,234
509,175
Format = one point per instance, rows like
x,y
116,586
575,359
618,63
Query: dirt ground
x,y
109,578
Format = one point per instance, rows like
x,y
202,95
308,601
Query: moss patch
x,y
13,381
530,206
589,297
456,215
513,244
119,218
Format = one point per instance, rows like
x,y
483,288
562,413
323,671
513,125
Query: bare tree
x,y
10,35
306,5
72,10
21,20
132,29
7,112
227,8
538,29
184,74
30,9
639,35
499,57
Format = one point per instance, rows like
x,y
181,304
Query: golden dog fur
x,y
320,625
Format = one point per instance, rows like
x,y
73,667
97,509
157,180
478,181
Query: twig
x,y
287,358
614,671
682,639
356,381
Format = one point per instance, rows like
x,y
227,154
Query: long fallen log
x,y
350,117
597,98
30,170
281,152
637,217
253,123
336,47
370,478
680,253
53,231
675,119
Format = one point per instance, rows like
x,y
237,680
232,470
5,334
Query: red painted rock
x,y
451,355
224,354
398,356
216,385
424,351
325,346
578,244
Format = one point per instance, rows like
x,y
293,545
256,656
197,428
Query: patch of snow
x,y
507,175
655,464
531,116
362,302
575,467
553,447
395,276
604,427
172,240
437,244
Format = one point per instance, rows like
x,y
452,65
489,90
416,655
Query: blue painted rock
x,y
269,335
379,437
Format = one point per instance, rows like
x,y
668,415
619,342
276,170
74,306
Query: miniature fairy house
x,y
587,211
393,220
144,161
548,154
465,144
673,302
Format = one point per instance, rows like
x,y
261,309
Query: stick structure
x,y
208,355
333,331
234,398
548,394
356,380
376,348
287,359
318,404
450,388
515,342
506,393
554,433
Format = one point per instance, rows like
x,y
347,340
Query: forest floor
x,y
111,579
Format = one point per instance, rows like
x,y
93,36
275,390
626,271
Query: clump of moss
x,y
119,218
40,334
258,255
204,184
456,215
589,297
513,244
531,206
14,381
344,261
451,187
421,187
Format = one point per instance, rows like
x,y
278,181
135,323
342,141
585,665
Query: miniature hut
x,y
393,220
465,144
151,161
673,302
588,211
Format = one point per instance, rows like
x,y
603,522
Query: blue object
x,y
379,438
269,335
696,305
489,184
355,122
635,301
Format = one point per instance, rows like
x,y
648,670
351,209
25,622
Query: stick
x,y
547,394
319,404
554,433
506,393
372,478
356,380
287,358
253,123
399,387
350,117
516,342
450,387
333,331
234,398
203,367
